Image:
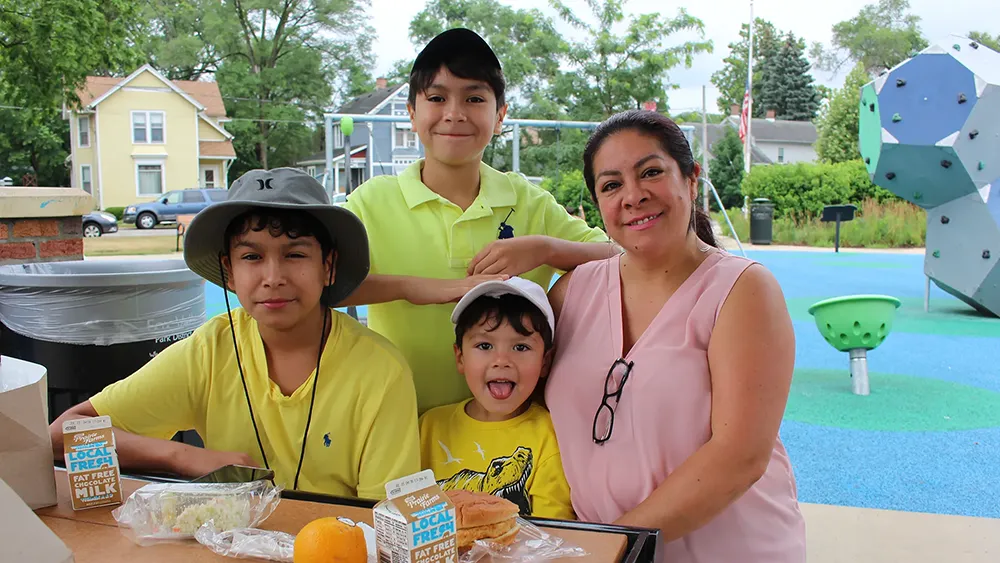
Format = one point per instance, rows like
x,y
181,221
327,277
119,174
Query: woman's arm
x,y
557,293
751,357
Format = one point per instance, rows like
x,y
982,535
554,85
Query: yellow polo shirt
x,y
364,422
413,231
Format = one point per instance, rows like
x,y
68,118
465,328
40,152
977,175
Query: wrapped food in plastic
x,y
175,511
248,543
530,545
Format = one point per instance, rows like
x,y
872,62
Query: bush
x,y
570,190
118,212
886,224
801,190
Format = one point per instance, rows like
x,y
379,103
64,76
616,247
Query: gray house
x,y
775,141
376,148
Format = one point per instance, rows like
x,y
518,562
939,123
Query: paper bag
x,y
23,535
26,461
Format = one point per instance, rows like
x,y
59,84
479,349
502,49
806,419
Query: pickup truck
x,y
167,207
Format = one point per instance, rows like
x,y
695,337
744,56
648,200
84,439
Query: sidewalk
x,y
729,243
842,534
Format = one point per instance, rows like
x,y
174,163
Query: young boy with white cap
x,y
501,441
285,381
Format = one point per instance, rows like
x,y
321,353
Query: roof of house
x,y
718,130
774,131
368,101
320,157
216,148
206,93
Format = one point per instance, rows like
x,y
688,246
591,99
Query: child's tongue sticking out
x,y
501,389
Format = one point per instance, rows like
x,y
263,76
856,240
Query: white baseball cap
x,y
513,286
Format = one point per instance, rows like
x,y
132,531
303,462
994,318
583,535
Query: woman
x,y
673,364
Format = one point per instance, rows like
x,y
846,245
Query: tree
x,y
284,63
620,65
838,125
726,169
178,37
49,47
881,36
731,79
788,87
985,39
36,142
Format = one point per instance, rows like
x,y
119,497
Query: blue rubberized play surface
x,y
927,438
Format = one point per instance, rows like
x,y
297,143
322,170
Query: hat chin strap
x,y
246,392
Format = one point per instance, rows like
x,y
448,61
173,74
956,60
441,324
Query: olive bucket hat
x,y
280,188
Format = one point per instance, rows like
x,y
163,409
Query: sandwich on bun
x,y
482,516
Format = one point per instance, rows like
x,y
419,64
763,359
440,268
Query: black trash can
x,y
761,221
94,322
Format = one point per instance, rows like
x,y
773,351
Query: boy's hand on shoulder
x,y
512,256
432,291
194,462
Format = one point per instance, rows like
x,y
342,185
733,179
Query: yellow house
x,y
135,138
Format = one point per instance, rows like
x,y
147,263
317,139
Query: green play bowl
x,y
855,321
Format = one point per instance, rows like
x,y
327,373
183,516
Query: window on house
x,y
338,138
406,138
781,154
83,127
147,127
85,180
150,179
311,170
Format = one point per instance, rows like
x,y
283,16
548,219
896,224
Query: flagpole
x,y
747,151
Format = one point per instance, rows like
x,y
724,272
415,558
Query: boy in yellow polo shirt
x,y
283,382
501,441
449,221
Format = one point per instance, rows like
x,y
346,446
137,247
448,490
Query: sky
x,y
722,18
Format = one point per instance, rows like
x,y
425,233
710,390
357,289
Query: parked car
x,y
170,205
97,223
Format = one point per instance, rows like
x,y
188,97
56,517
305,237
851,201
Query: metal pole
x,y
328,127
859,371
516,147
927,293
704,145
748,152
836,237
347,164
726,215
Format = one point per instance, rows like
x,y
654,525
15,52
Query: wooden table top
x,y
93,535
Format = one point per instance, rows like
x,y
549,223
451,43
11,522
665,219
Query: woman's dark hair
x,y
462,66
496,310
673,141
278,222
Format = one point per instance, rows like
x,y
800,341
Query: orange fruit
x,y
328,540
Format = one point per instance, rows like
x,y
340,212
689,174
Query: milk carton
x,y
92,462
416,522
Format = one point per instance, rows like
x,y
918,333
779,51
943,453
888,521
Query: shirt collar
x,y
495,189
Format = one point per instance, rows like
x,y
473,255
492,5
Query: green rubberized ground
x,y
897,402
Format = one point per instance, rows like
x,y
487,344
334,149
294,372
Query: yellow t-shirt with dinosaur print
x,y
517,459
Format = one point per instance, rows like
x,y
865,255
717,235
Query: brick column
x,y
42,224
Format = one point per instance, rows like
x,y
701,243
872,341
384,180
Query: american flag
x,y
744,114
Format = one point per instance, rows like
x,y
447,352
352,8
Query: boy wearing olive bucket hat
x,y
283,382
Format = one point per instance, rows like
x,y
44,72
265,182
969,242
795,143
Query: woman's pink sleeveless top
x,y
663,416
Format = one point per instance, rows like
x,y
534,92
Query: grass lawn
x,y
129,246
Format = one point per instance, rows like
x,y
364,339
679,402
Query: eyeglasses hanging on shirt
x,y
614,381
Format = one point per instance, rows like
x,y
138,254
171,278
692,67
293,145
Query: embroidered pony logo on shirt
x,y
326,440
